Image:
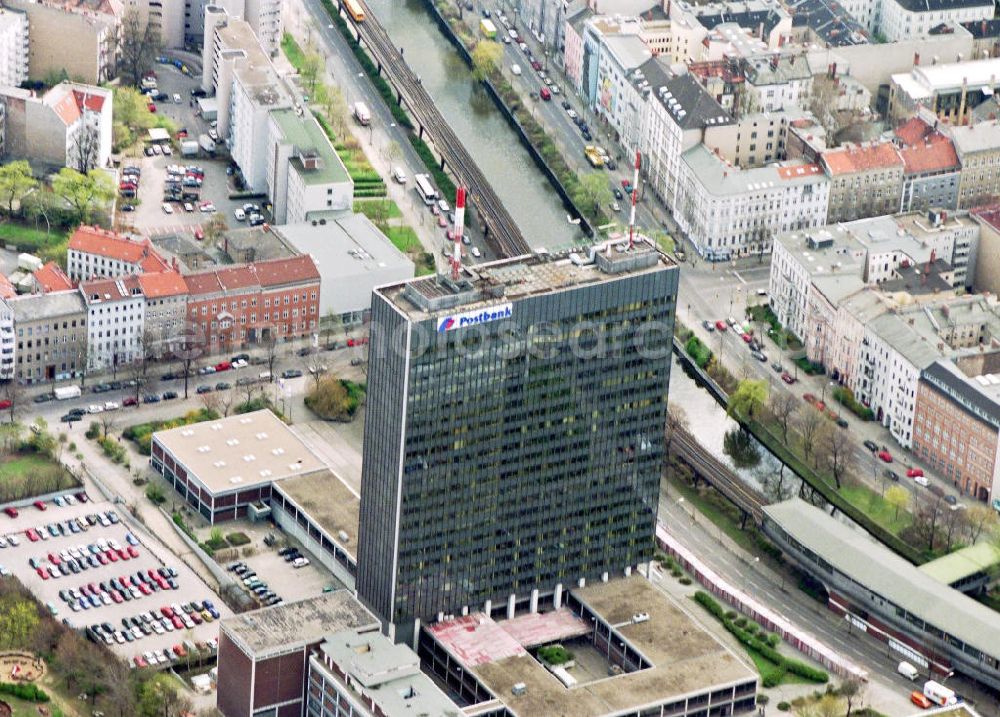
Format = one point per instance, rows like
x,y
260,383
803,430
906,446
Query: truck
x,y
488,29
593,156
64,393
189,147
361,113
939,694
206,143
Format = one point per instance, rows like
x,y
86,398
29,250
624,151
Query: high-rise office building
x,y
514,432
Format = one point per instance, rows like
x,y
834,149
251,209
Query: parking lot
x,y
96,599
149,213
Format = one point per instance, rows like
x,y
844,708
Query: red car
x,y
885,456
536,65
179,649
721,325
122,554
914,472
151,107
5,403
167,612
199,234
32,535
130,401
111,556
747,338
808,398
442,220
178,623
139,661
10,511
102,558
196,618
357,342
42,573
116,596
144,589
788,378
132,552
223,366
40,505
53,558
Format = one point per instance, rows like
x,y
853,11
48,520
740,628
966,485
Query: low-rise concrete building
x,y
51,334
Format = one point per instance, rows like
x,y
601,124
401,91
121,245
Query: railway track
x,y
502,233
718,474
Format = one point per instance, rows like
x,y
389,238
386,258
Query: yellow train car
x,y
356,10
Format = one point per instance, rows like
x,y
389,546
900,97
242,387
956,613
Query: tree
x,y
926,522
783,406
954,523
486,58
270,344
84,192
837,451
210,401
215,228
809,424
138,45
899,498
14,393
312,64
16,181
748,399
10,435
851,690
592,191
18,620
331,99
107,420
147,351
980,518
226,400
330,400
86,148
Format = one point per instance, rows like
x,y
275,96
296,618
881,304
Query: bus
x,y
355,9
425,189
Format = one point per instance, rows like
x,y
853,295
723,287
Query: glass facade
x,y
514,455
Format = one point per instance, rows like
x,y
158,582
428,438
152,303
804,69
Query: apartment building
x,y
13,47
865,181
987,274
950,90
68,126
75,38
96,253
165,294
267,301
616,101
7,340
957,423
978,148
51,278
691,24
727,211
913,19
51,332
116,312
776,82
931,168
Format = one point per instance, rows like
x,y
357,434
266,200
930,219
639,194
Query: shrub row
x,y
443,181
24,691
142,433
846,397
112,449
699,352
763,647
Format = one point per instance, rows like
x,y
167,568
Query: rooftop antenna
x,y
635,196
459,230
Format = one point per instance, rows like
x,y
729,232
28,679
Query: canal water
x,y
494,146
709,424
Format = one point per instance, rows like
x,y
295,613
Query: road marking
x,y
737,275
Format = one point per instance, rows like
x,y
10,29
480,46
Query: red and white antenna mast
x,y
635,197
458,232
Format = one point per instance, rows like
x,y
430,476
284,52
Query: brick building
x,y
243,305
957,425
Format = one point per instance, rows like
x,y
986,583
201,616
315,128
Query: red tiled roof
x,y
90,101
990,214
94,240
67,109
913,131
52,278
7,290
860,159
110,289
163,283
264,274
924,148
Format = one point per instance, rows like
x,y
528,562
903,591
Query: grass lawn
x,y
21,465
26,474
292,51
394,211
404,239
30,239
30,709
726,520
876,507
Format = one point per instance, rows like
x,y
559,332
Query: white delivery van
x,y
907,670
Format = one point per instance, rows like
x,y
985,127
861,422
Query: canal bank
x,y
507,103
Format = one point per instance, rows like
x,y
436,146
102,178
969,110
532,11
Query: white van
x,y
907,670
399,175
516,70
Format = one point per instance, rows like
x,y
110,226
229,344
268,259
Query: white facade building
x,y
726,211
7,341
13,47
116,311
910,19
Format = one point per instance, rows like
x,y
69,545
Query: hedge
x,y
761,647
25,691
699,352
845,396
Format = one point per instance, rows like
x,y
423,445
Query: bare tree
x,y
783,406
809,424
980,518
147,351
852,690
837,451
86,148
107,420
14,393
270,345
210,401
926,521
226,400
138,45
954,522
